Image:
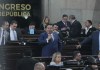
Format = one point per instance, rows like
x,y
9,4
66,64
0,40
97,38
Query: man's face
x,y
78,56
13,26
6,25
87,24
55,27
49,29
64,19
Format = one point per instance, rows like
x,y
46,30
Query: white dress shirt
x,y
87,29
13,35
1,36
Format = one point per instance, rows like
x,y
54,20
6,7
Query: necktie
x,y
15,36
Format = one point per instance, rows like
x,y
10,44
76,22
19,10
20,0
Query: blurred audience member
x,y
39,66
64,23
56,59
75,28
77,56
77,59
92,64
98,59
3,33
45,22
88,28
27,62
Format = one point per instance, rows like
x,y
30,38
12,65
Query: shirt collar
x,y
89,27
72,21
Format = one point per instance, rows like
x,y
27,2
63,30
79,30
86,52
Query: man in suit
x,y
64,23
95,38
15,33
75,28
88,29
50,40
3,33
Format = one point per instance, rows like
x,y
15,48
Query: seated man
x,y
4,35
76,59
31,29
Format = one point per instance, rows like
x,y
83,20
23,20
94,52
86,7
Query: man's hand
x,y
49,36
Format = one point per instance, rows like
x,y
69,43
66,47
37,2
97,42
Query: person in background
x,y
98,58
56,59
15,33
91,64
39,66
31,29
64,23
50,40
27,62
89,29
3,33
45,22
77,56
95,38
75,28
55,29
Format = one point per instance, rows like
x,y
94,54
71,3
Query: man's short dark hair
x,y
75,53
48,25
55,24
90,21
72,17
64,15
13,22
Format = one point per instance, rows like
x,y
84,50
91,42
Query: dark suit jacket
x,y
26,63
75,29
50,47
41,26
61,24
91,30
19,36
95,42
